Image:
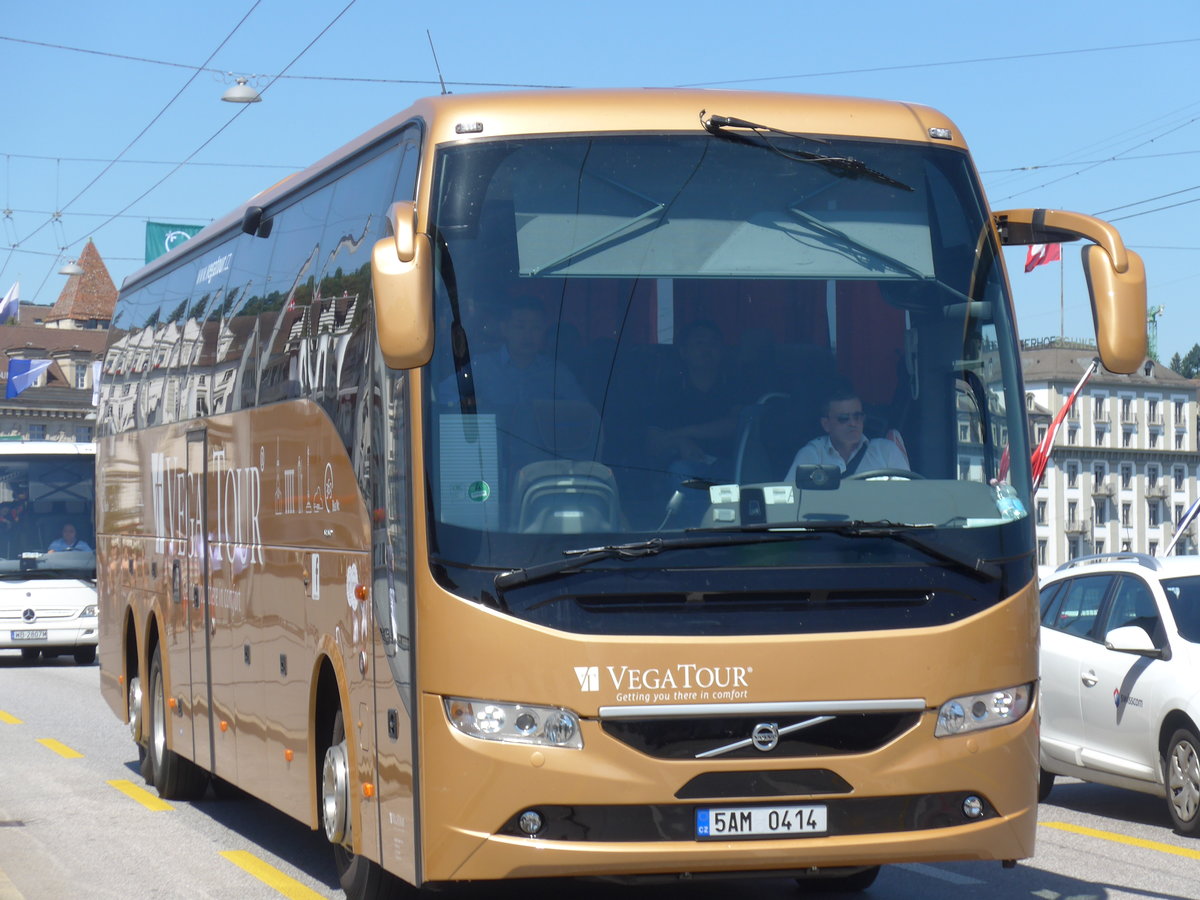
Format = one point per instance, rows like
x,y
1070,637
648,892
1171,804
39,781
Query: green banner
x,y
161,237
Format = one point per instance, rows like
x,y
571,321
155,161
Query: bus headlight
x,y
978,711
515,723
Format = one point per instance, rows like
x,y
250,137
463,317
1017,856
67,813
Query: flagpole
x,y
1061,302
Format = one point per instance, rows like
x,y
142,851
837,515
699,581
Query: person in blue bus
x,y
68,541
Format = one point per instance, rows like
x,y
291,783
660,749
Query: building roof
x,y
91,295
1066,361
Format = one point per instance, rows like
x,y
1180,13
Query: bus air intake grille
x,y
692,738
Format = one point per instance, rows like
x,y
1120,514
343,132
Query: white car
x,y
1120,679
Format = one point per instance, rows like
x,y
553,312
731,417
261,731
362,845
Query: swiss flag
x,y
1040,254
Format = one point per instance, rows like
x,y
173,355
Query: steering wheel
x,y
906,474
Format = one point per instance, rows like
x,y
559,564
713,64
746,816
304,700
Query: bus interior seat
x,y
566,496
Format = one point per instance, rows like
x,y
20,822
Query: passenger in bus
x,y
844,444
696,410
68,541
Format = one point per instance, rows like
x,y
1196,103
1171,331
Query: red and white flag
x,y
1041,454
1040,254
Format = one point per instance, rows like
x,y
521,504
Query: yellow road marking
x,y
269,875
61,749
1124,839
141,795
8,890
8,718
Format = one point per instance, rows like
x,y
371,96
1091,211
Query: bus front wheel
x,y
360,878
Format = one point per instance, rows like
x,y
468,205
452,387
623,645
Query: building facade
x,y
1125,460
59,405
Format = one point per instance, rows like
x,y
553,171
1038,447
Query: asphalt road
x,y
77,821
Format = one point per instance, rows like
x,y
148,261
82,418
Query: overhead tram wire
x,y
931,65
148,126
363,80
232,119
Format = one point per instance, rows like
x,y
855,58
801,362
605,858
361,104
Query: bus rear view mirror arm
x,y
1116,277
402,278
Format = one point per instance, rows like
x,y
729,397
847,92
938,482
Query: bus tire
x,y
175,777
1181,772
360,878
1045,784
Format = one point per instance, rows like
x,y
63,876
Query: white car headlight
x,y
515,723
987,710
88,612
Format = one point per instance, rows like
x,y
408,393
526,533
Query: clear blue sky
x,y
1101,98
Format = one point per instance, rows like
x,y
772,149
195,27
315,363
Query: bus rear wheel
x,y
360,878
175,777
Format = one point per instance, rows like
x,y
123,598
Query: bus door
x,y
194,576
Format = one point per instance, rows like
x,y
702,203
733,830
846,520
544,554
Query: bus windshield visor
x,y
46,522
652,334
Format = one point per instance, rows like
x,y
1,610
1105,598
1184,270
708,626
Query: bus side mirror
x,y
1116,277
402,278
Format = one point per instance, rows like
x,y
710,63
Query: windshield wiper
x,y
580,558
978,568
847,166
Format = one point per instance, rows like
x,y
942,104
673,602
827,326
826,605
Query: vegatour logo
x,y
685,681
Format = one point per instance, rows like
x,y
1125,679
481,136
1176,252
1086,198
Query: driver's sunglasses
x,y
848,417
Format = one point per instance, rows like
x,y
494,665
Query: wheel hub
x,y
135,709
335,794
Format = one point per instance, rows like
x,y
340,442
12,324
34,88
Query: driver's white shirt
x,y
881,454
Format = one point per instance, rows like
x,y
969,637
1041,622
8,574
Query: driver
x,y
844,445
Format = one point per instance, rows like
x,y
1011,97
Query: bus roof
x,y
484,116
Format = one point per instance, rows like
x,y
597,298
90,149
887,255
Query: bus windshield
x,y
46,521
649,335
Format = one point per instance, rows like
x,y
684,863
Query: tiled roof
x,y
1068,364
91,295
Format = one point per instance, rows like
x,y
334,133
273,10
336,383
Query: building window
x,y
1152,412
1072,508
1151,476
1125,514
1179,440
1098,409
1126,409
1099,546
1072,474
1100,437
81,376
37,432
1126,476
1179,473
1098,473
1178,412
1153,439
1042,552
1072,436
1041,512
1178,511
1124,546
85,433
1041,433
1073,548
1155,513
1153,548
1127,438
1101,515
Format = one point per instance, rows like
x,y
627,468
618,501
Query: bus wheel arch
x,y
134,704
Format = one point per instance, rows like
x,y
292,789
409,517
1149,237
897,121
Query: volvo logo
x,y
765,736
29,615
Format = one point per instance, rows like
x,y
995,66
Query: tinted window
x,y
1133,604
1183,596
1047,599
1080,604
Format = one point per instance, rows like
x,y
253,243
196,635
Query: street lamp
x,y
241,93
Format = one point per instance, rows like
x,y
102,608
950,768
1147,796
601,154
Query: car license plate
x,y
29,635
759,821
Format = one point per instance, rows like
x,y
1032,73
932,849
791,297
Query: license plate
x,y
29,635
760,821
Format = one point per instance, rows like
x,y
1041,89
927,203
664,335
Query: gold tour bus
x,y
618,484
